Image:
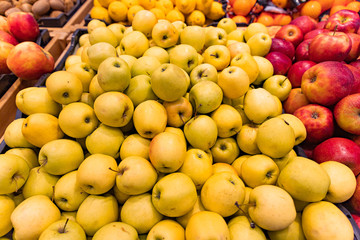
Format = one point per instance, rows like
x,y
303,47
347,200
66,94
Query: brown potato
x,y
57,5
68,5
26,7
4,5
40,8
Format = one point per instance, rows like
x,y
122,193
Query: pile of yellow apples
x,y
193,12
166,131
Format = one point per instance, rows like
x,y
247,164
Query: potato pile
x,y
39,8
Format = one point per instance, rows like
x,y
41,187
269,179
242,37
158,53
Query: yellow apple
x,y
293,231
134,43
260,44
116,230
27,154
240,228
135,145
246,138
63,229
14,137
194,36
39,182
225,150
237,35
165,34
166,229
218,56
144,21
161,54
266,69
7,206
246,62
254,28
238,163
297,125
84,72
178,112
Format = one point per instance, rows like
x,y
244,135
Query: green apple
x,y
218,56
27,154
103,34
342,181
63,229
278,85
116,230
39,182
225,150
139,212
144,21
293,231
227,24
118,29
61,156
134,43
234,82
202,72
295,179
106,140
259,105
236,48
72,60
98,52
68,194
135,145
129,59
271,207
97,211
135,175
205,97
94,88
84,72
113,74
206,225
149,118
13,135
281,162
297,125
114,109
32,216
184,56
222,192
254,28
201,132
240,228
246,62
260,44
237,35
145,65
324,220
161,54
166,229
64,87
7,206
266,69
165,34
174,195
77,120
169,82
259,170
194,36
97,173
36,100
246,138
275,138
215,36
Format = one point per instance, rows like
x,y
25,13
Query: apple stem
x,y
252,224
335,29
284,80
113,170
53,194
66,222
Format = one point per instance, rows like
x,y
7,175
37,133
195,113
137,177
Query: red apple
x,y
346,113
283,46
280,62
302,50
356,73
327,82
354,202
320,25
355,47
305,23
291,33
330,46
5,49
314,33
339,149
23,26
344,21
308,149
356,139
318,121
356,219
297,70
295,100
356,63
7,37
3,24
29,61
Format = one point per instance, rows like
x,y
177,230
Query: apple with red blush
x,y
355,47
295,100
281,62
356,73
318,121
347,113
3,24
305,23
5,49
283,46
302,50
345,20
320,25
356,139
355,63
7,37
339,149
23,26
297,70
291,33
353,204
314,33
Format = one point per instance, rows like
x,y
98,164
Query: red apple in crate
x,y
330,46
295,100
344,21
308,149
356,218
354,202
23,26
305,23
327,83
302,50
356,73
7,37
280,62
341,150
318,121
355,47
356,63
5,49
291,33
356,139
347,113
29,61
283,46
297,70
314,33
